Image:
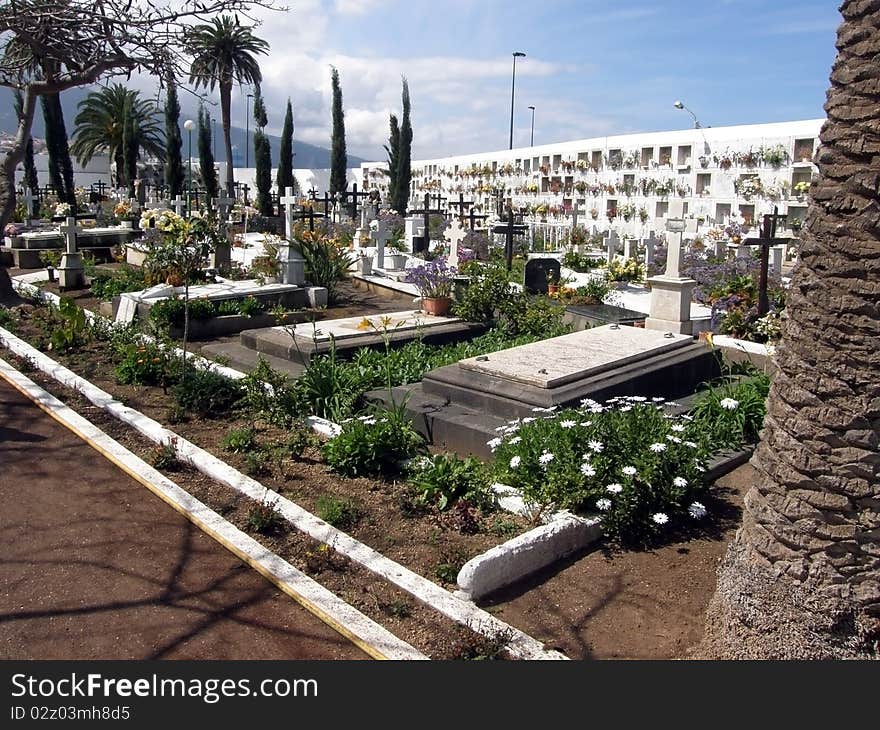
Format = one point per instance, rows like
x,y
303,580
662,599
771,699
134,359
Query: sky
x,y
592,67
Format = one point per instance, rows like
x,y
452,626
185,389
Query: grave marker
x,y
509,229
70,271
380,235
455,234
537,275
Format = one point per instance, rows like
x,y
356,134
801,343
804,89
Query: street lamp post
x,y
532,138
188,125
516,54
247,122
214,137
697,125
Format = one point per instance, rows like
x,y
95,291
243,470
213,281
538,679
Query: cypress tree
x,y
30,179
206,156
338,158
393,151
60,166
262,156
285,178
404,171
174,175
130,144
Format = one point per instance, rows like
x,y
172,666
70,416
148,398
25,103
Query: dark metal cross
x,y
473,217
354,199
427,211
326,200
509,229
461,204
309,215
766,240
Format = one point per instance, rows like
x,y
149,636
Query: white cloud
x,y
356,7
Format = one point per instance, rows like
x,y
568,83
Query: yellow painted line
x,y
53,407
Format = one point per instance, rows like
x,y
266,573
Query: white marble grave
x,y
560,360
341,329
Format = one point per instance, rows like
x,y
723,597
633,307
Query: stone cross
x,y
611,243
412,227
380,234
776,253
673,241
650,244
223,204
29,203
288,201
71,274
179,205
629,248
454,234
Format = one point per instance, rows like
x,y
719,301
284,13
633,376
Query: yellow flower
x,y
364,324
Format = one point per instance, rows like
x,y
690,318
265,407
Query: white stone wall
x,y
549,175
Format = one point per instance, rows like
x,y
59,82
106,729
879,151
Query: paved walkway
x,y
93,566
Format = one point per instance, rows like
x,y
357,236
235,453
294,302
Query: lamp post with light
x,y
697,125
516,54
532,138
188,125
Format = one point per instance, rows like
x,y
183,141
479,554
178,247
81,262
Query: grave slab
x,y
561,360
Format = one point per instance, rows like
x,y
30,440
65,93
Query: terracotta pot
x,y
437,306
552,289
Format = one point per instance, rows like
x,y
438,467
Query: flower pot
x,y
50,270
552,289
437,306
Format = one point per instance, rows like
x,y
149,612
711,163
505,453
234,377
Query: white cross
x,y
673,241
288,201
29,203
380,235
179,205
611,242
455,234
650,243
69,230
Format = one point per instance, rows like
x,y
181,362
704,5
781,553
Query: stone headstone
x,y
293,265
127,309
690,226
720,248
650,244
288,201
413,227
611,244
630,247
776,256
70,271
455,234
535,280
380,235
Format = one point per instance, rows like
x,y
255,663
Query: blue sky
x,y
592,68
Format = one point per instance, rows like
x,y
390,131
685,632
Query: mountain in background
x,y
306,155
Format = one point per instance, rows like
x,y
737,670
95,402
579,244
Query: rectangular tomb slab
x,y
342,329
561,360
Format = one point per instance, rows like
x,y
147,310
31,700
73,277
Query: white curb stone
x,y
268,563
521,644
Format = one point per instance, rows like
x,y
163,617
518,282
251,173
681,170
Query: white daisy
x,y
587,470
545,458
658,448
528,420
603,504
690,444
673,439
515,439
697,511
629,471
677,427
657,400
638,398
615,488
514,461
588,402
729,404
586,424
494,444
625,409
595,446
567,424
680,482
370,421
660,518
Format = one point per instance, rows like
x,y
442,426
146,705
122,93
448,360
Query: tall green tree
x,y
174,175
284,178
206,154
60,165
338,158
262,156
30,179
224,52
115,120
404,160
392,149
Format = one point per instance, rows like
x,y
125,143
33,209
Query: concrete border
x,y
429,593
525,554
362,631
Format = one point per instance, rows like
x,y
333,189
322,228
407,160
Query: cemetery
x,y
451,391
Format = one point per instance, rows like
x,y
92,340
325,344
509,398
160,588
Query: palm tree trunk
x,y
802,577
225,105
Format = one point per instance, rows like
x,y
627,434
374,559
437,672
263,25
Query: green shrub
x,y
105,286
256,464
327,258
580,262
144,363
489,291
207,393
339,512
628,460
270,395
239,440
444,479
249,306
171,312
373,445
264,517
732,414
72,329
330,387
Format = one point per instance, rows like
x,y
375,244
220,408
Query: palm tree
x,y
802,577
223,52
101,126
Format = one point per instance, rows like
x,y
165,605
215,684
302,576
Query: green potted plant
x,y
50,258
434,280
